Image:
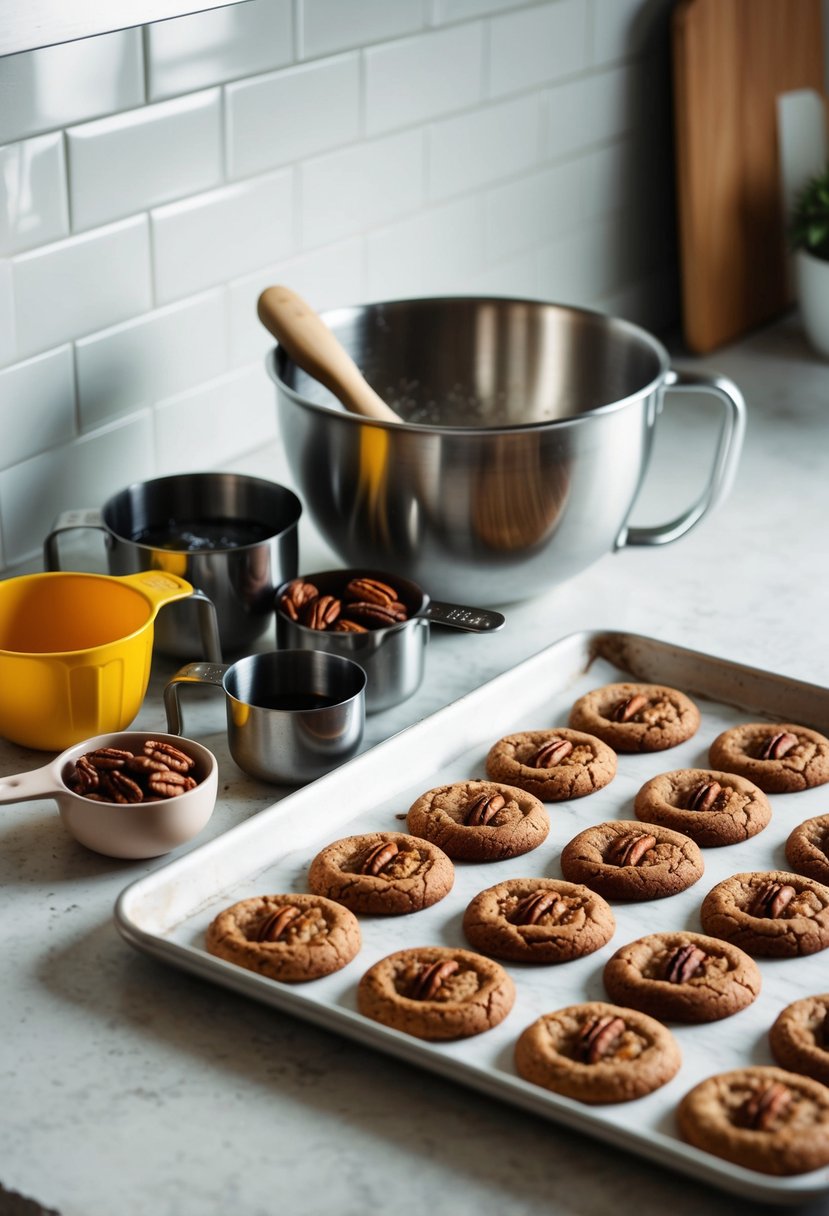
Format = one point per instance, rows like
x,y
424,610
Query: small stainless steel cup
x,y
292,715
233,537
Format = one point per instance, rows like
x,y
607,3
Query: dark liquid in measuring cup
x,y
295,700
194,535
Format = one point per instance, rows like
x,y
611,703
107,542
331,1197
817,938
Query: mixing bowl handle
x,y
67,521
191,673
725,458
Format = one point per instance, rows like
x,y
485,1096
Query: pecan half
x,y
275,924
771,899
761,1110
629,708
629,848
107,758
370,591
377,615
295,596
344,626
532,907
321,612
482,809
704,796
683,963
552,752
822,1032
778,745
167,756
597,1036
376,860
429,979
168,784
121,788
84,777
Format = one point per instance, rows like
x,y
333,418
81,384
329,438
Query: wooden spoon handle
x,y
313,347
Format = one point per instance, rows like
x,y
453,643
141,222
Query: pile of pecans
x,y
114,774
362,604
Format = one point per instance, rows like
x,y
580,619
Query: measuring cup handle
x,y
192,673
725,459
473,620
24,787
208,625
68,521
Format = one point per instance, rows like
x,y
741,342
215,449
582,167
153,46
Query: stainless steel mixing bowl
x,y
526,430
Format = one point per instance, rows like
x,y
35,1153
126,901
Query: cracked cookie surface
x,y
780,758
807,848
766,1119
436,993
682,977
597,1053
769,914
291,938
799,1037
636,717
555,764
382,873
713,808
626,860
538,920
479,820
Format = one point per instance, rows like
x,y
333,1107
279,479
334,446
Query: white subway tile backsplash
x,y
419,78
517,277
218,236
462,10
7,336
129,162
48,88
327,278
139,362
292,114
331,25
533,210
483,146
33,206
373,183
537,45
587,111
222,44
433,253
83,473
235,414
37,405
620,28
82,284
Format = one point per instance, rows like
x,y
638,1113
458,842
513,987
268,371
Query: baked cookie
x,y
807,848
769,914
479,820
597,1053
538,920
636,717
292,938
714,809
436,993
622,860
779,758
382,873
555,765
765,1119
682,977
799,1038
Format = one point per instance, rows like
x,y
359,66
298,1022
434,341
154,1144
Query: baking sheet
x,y
166,913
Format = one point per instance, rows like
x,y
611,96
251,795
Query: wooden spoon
x,y
313,347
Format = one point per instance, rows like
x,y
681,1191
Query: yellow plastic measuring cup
x,y
75,652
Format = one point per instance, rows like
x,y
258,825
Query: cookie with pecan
x,y
712,808
538,920
780,758
807,848
555,765
624,860
682,977
597,1053
771,914
436,993
636,717
479,820
292,938
382,873
765,1119
799,1038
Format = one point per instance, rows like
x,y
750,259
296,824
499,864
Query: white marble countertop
x,y
129,1087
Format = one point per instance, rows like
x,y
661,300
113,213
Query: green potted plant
x,y
809,235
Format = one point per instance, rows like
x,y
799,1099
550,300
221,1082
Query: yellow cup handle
x,y
158,587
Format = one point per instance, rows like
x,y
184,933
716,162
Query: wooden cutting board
x,y
731,60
